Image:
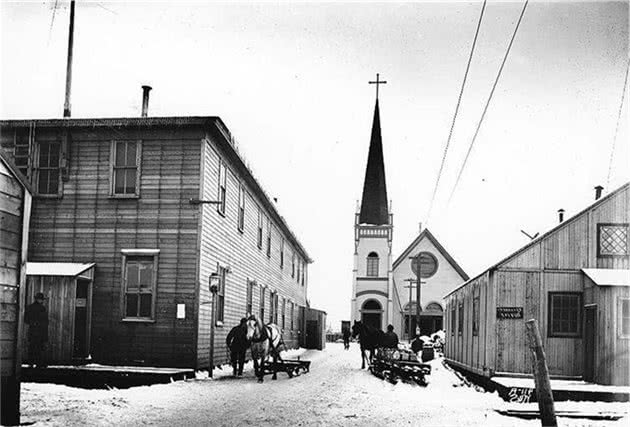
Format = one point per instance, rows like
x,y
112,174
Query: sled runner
x,y
290,367
396,365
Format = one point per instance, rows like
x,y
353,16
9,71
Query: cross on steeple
x,y
377,82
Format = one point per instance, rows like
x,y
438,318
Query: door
x,y
372,319
590,318
82,319
311,334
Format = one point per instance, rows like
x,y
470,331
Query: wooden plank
x,y
11,187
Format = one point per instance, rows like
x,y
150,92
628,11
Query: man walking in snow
x,y
346,338
237,343
36,317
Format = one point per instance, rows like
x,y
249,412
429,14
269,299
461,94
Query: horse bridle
x,y
263,336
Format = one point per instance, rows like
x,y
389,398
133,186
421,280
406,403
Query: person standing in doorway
x,y
237,343
36,317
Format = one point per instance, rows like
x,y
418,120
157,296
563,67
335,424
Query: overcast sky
x,y
290,81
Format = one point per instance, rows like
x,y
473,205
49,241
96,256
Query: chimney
x,y
561,215
145,100
420,227
598,192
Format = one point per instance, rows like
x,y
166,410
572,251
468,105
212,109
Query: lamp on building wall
x,y
213,283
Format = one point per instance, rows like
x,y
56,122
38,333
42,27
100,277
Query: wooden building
x,y
574,280
126,199
15,207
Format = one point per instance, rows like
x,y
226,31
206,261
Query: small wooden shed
x,y
68,290
15,208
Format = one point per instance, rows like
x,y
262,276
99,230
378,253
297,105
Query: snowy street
x,y
336,392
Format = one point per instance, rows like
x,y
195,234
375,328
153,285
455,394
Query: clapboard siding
x,y
552,263
86,225
223,244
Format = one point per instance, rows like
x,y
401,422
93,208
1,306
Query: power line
x,y
485,109
612,149
459,100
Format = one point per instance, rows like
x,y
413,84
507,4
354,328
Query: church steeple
x,y
374,200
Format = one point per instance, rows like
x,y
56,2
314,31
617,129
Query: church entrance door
x,y
372,319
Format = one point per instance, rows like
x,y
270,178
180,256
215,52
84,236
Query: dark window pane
x,y
145,305
42,184
132,305
119,181
132,276
131,154
120,154
130,184
53,183
146,276
44,155
53,159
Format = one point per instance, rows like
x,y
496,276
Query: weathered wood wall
x,y
221,243
525,279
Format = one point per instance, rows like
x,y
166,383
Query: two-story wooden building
x,y
123,243
574,280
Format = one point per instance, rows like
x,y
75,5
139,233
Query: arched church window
x,y
371,304
428,265
372,265
434,306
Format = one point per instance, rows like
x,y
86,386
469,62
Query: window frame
x,y
372,264
137,253
292,314
599,246
293,264
460,318
282,253
38,168
240,222
220,297
113,168
260,228
284,312
261,308
222,187
476,316
424,274
268,238
249,302
620,301
550,315
453,318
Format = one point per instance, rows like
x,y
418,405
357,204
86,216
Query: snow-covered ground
x,y
335,393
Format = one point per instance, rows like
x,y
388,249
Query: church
x,y
384,288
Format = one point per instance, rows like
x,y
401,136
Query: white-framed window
x,y
299,266
460,318
139,284
125,160
372,265
612,240
475,323
268,238
222,187
261,310
282,253
241,208
48,168
293,264
623,324
222,272
292,313
249,305
275,307
303,272
259,234
273,300
284,311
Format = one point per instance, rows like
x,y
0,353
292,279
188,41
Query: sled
x,y
290,367
395,365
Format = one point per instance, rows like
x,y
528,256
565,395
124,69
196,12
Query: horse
x,y
370,338
265,340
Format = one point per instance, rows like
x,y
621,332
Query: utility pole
x,y
418,282
541,375
66,105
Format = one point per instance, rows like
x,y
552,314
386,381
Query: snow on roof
x,y
608,277
71,269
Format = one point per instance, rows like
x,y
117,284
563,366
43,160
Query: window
x,y
372,265
475,325
282,253
623,308
125,169
292,313
241,208
460,319
22,151
293,265
222,187
273,307
268,238
299,266
428,265
262,304
613,239
303,273
260,228
453,320
48,168
249,305
565,314
221,294
139,284
284,310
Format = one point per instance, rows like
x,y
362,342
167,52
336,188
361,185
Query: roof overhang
x,y
66,269
608,276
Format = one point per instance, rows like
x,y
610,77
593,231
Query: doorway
x,y
372,313
590,319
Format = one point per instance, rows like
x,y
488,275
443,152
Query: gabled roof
x,y
374,200
15,171
427,234
537,240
